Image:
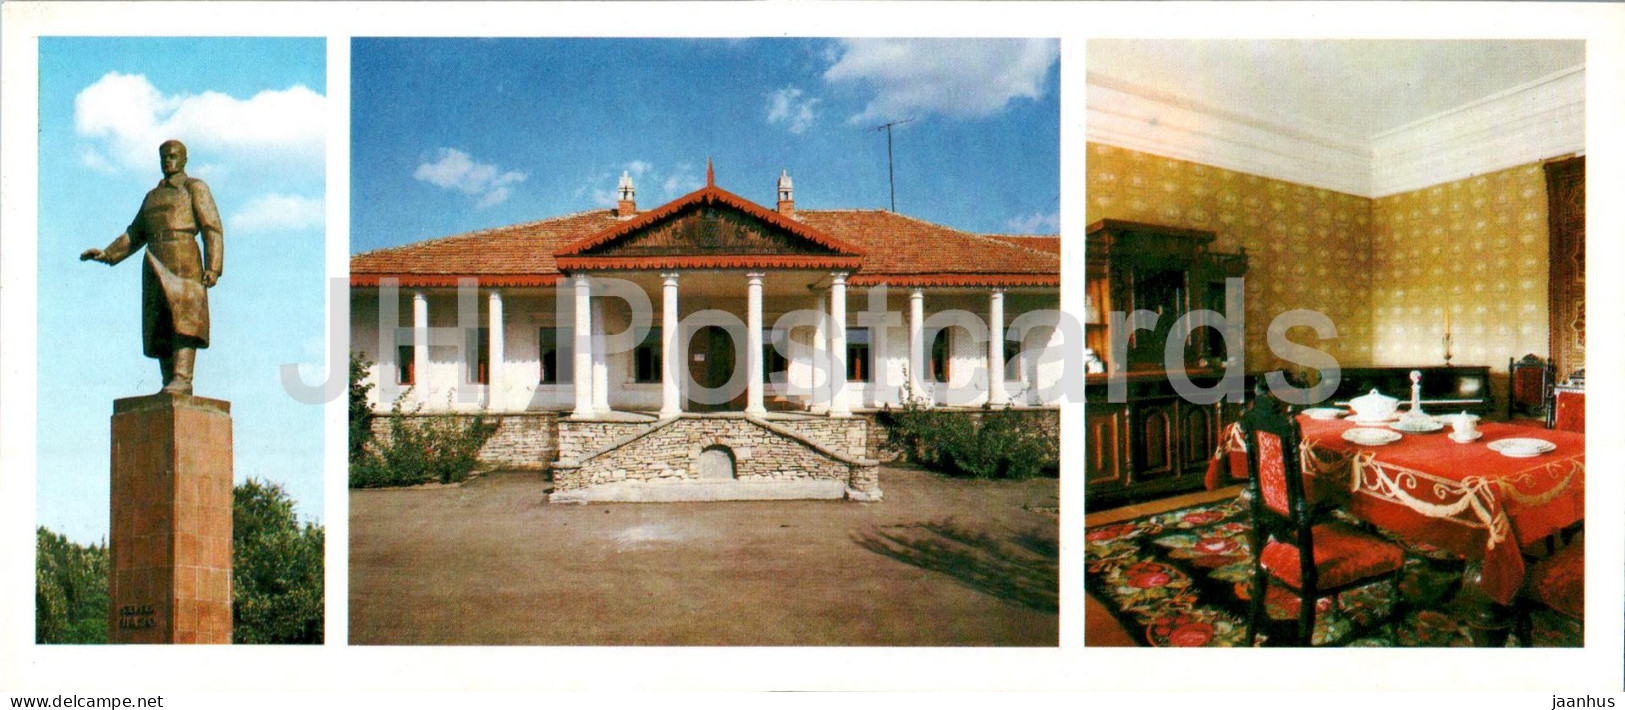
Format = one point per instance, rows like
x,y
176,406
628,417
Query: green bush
x,y
996,443
436,448
277,575
276,590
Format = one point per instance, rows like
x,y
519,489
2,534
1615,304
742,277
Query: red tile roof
x,y
890,248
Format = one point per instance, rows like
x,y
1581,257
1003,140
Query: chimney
x,y
787,199
628,206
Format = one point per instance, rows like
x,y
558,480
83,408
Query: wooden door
x,y
1154,441
1104,465
711,364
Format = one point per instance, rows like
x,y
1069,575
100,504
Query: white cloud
x,y
124,118
682,180
456,170
959,78
276,212
786,106
1036,223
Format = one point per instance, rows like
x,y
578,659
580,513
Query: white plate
x,y
1369,436
1540,446
1357,420
1420,428
1324,413
1520,453
1460,440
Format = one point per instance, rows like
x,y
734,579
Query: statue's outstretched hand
x,y
91,255
210,278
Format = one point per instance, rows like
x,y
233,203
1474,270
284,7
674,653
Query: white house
x,y
708,312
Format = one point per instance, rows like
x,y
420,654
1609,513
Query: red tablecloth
x,y
1461,497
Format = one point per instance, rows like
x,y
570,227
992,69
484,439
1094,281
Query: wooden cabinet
x,y
1151,443
1143,438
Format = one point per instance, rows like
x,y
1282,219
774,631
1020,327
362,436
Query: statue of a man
x,y
175,275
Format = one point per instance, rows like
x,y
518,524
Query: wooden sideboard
x,y
1151,441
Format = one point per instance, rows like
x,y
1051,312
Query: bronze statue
x,y
176,276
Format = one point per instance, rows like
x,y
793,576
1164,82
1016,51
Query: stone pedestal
x,y
170,579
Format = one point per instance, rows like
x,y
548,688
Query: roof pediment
x,y
709,228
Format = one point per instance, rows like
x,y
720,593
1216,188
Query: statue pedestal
x,y
170,578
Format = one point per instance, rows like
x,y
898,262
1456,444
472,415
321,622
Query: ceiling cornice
x,y
1526,123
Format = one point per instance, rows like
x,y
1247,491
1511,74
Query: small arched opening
x,y
717,463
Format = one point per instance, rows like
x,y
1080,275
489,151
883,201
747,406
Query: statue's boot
x,y
178,371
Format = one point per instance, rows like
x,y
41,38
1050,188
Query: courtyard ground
x,y
940,562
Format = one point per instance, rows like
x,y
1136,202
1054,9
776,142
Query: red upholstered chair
x,y
1294,542
1557,582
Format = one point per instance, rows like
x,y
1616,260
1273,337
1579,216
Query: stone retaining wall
x,y
521,441
850,436
669,451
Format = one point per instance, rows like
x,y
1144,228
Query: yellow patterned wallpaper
x,y
1307,247
1477,246
1384,270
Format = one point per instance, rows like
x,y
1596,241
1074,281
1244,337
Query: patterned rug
x,y
1181,579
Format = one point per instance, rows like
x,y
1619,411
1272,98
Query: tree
x,y
70,591
276,592
360,409
276,585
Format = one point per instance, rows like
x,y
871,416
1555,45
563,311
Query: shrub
x,y
995,443
437,448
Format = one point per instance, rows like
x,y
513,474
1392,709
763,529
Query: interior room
x,y
1396,228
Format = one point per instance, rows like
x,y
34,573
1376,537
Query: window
x,y
556,361
405,361
939,356
479,365
773,362
857,355
646,358
1012,359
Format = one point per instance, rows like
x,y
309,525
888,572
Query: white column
x,y
996,395
753,344
600,360
581,347
420,345
916,343
837,346
671,394
494,351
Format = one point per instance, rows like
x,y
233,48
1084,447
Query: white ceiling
x,y
1350,89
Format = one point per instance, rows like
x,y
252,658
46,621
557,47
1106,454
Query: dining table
x,y
1427,487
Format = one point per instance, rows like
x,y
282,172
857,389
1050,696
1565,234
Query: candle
x,y
1447,322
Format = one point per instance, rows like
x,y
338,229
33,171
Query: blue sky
x,y
450,135
251,112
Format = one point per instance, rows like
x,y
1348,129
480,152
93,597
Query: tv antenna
x,y
891,177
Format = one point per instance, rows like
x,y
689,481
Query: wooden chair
x,y
1529,388
1557,582
1292,541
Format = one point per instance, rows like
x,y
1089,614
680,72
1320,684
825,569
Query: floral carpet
x,y
1181,579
